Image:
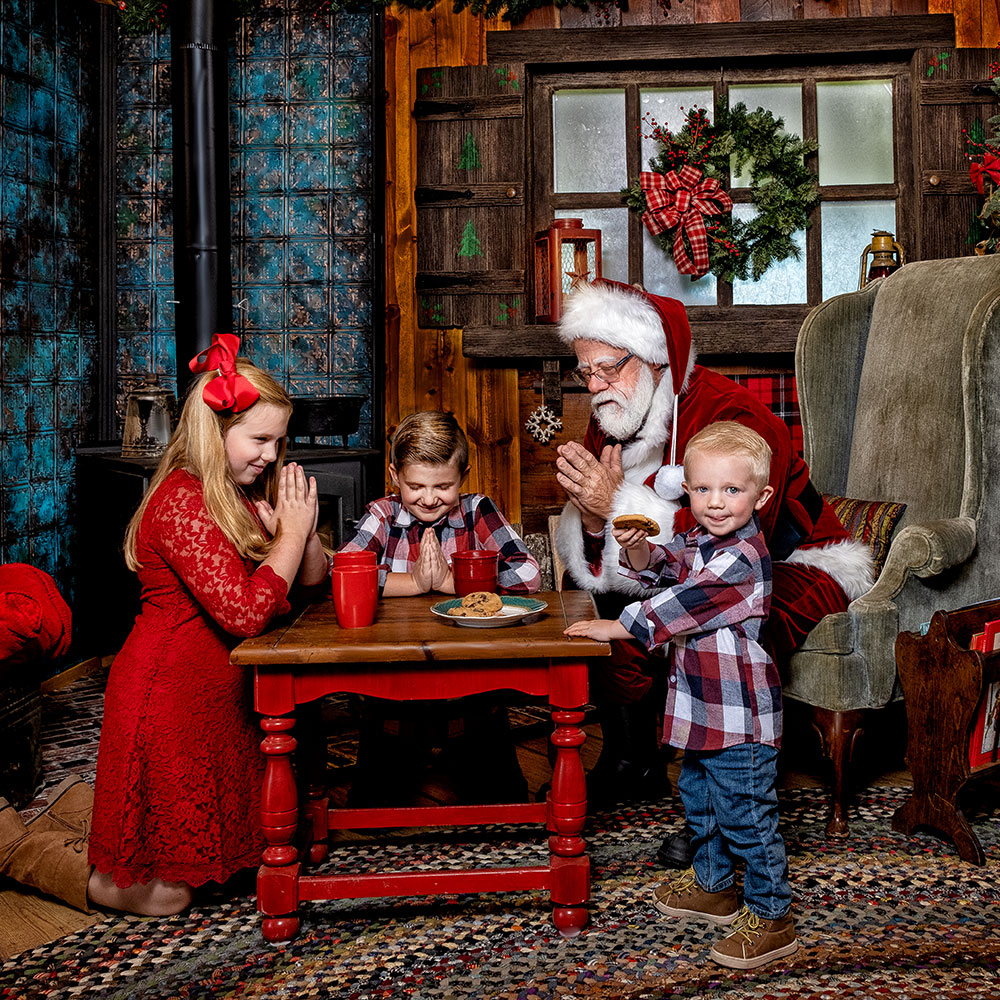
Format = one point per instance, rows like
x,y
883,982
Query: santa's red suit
x,y
816,567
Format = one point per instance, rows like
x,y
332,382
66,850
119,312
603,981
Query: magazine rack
x,y
944,682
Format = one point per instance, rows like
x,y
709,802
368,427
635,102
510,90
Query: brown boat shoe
x,y
753,941
683,897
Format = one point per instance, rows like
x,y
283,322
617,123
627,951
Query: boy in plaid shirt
x,y
428,461
414,533
724,695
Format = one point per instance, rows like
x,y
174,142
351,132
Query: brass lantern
x,y
887,256
149,419
566,255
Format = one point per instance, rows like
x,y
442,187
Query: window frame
x,y
725,328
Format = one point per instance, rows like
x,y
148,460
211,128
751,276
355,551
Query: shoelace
x,y
748,925
79,843
685,883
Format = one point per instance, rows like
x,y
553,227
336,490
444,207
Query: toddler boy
x,y
724,696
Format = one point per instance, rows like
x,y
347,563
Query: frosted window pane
x,y
613,224
588,128
668,108
855,132
781,283
847,230
783,100
660,277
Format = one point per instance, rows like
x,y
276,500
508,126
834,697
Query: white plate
x,y
514,610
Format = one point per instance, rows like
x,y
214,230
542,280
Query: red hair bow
x,y
682,199
990,167
229,391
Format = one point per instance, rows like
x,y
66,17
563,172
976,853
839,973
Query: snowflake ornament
x,y
542,424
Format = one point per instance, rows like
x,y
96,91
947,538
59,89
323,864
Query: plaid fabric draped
x,y
683,199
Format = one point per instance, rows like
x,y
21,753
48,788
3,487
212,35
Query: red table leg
x,y
567,813
278,877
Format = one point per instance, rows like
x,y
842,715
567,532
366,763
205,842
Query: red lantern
x,y
566,255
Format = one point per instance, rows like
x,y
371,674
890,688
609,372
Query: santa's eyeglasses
x,y
608,373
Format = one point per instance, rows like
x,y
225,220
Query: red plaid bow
x,y
682,200
229,391
990,167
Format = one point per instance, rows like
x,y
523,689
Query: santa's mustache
x,y
607,396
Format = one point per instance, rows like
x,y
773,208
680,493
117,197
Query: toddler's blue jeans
x,y
731,804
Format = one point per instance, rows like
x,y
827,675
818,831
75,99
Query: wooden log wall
x,y
426,368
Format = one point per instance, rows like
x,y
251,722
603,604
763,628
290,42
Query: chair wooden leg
x,y
838,734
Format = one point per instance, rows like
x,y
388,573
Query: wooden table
x,y
411,654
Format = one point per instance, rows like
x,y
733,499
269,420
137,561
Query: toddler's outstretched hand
x,y
629,538
602,629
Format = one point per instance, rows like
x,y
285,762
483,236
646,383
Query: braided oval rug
x,y
878,915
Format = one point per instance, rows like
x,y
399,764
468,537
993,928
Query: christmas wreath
x,y
687,209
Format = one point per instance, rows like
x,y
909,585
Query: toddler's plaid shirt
x,y
393,533
723,687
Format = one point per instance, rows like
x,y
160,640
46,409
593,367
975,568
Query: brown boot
x,y
12,828
753,941
683,897
54,863
67,809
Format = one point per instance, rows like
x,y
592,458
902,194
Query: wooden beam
x,y
525,345
702,41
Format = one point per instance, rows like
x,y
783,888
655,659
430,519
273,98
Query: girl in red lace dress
x,y
222,534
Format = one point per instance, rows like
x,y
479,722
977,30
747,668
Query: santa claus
x,y
648,397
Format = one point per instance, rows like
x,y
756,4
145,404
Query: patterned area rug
x,y
879,914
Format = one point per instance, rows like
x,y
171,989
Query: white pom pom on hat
x,y
668,482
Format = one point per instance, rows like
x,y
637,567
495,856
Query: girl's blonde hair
x,y
727,437
198,445
429,437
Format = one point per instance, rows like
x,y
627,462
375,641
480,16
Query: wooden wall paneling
x,y
541,495
494,433
717,11
902,8
646,12
775,10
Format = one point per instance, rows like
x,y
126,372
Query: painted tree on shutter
x,y
471,237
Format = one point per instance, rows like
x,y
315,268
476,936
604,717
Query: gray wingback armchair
x,y
899,386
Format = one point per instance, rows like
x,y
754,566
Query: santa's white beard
x,y
619,417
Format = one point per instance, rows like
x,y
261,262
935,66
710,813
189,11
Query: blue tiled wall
x,y
48,342
301,144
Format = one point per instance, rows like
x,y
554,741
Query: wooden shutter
x,y
950,99
471,240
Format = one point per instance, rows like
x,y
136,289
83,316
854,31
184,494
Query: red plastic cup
x,y
355,595
356,557
474,570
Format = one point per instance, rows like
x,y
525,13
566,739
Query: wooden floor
x,y
29,920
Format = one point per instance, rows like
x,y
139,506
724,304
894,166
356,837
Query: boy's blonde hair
x,y
198,445
727,437
429,437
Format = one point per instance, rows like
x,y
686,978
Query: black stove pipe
x,y
199,57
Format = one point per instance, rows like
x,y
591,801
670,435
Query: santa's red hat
x,y
652,327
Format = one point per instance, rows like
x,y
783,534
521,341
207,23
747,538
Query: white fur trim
x,y
617,318
849,562
668,482
631,498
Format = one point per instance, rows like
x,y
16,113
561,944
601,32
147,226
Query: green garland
x,y
782,188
